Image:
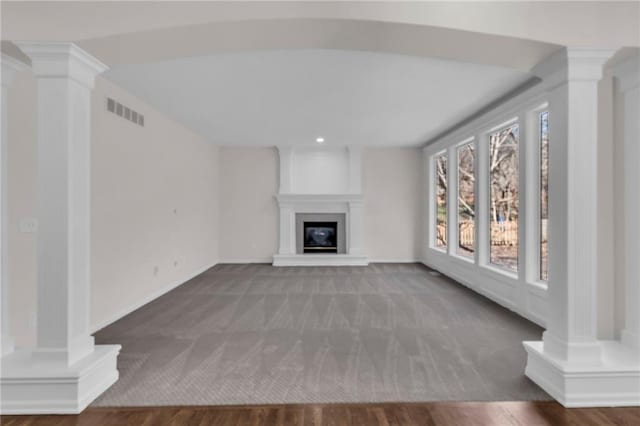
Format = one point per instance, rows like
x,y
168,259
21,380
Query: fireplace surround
x,y
320,186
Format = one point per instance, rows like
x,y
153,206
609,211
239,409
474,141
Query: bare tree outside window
x,y
504,197
440,164
544,195
466,200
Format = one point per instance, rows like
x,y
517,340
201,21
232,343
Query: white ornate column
x,y
10,67
570,363
66,371
628,75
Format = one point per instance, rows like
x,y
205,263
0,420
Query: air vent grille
x,y
125,112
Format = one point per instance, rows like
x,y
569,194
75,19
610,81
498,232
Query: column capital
x,y
10,66
62,60
572,64
628,73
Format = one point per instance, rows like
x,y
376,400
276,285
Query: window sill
x,y
500,271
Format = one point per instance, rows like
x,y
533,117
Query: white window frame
x,y
454,252
433,202
487,201
534,260
522,292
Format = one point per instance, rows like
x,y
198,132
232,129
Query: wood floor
x,y
423,414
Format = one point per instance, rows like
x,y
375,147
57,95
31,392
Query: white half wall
x,y
154,206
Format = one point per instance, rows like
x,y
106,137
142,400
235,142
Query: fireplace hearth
x,y
320,237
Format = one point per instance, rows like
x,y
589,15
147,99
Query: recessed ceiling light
x,y
320,140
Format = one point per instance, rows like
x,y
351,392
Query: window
x,y
466,200
544,194
503,172
440,165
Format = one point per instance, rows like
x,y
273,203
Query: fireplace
x,y
320,237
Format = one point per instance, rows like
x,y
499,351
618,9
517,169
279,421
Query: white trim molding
x,y
62,60
29,387
614,382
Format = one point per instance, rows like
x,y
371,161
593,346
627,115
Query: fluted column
x,y
65,76
10,67
573,113
628,75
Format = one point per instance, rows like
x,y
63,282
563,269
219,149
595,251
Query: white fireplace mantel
x,y
318,201
294,174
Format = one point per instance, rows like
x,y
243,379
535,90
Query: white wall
x,y
154,204
393,197
139,176
248,209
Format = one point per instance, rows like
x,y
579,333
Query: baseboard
x,y
614,383
270,260
51,386
150,298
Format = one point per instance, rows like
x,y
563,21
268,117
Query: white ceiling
x,y
293,96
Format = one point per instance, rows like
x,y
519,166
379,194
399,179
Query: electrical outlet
x,y
156,270
28,225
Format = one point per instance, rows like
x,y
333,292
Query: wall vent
x,y
125,112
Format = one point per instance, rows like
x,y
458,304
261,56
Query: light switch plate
x,y
28,225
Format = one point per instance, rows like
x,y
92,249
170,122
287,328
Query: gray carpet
x,y
255,334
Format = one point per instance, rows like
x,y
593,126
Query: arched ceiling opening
x,y
260,73
282,34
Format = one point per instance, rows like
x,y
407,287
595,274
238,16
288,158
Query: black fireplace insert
x,y
320,237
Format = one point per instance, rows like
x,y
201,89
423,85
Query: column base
x,y
36,386
614,382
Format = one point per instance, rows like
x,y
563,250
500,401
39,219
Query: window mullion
x,y
452,200
482,199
